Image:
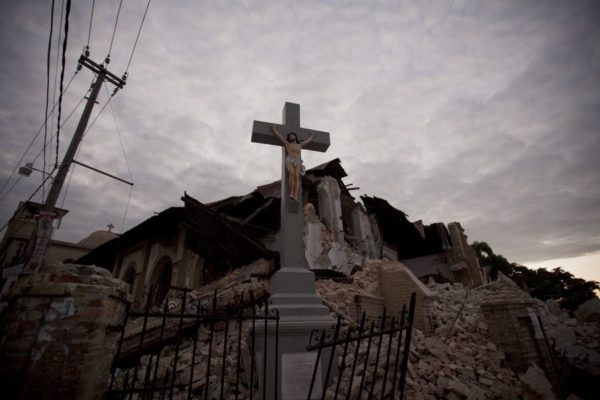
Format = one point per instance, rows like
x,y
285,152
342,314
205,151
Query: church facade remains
x,y
196,244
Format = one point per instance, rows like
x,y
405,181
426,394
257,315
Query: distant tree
x,y
557,284
497,262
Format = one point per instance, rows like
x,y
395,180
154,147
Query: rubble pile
x,y
459,360
243,287
456,360
240,287
373,382
339,296
576,341
191,363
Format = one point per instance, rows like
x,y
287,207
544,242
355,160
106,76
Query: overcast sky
x,y
483,112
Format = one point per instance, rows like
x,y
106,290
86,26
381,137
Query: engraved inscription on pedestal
x,y
296,374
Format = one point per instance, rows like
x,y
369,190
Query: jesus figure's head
x,y
291,137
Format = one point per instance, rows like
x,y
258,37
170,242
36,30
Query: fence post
x,y
57,333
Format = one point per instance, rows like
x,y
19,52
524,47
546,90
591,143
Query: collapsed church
x,y
196,244
177,307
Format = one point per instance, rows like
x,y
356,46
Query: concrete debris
x,y
456,359
325,245
249,283
535,385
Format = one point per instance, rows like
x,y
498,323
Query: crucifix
x,y
291,245
293,292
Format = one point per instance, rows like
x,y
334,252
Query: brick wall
x,y
57,337
397,283
372,306
514,327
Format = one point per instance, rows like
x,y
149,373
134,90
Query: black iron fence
x,y
372,357
191,348
204,348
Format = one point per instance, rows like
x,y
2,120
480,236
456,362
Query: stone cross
x,y
293,292
291,244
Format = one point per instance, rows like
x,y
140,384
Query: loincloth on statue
x,y
289,162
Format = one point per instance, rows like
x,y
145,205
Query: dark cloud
x,y
481,112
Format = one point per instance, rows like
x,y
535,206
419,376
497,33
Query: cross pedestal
x,y
293,291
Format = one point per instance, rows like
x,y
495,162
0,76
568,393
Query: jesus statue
x,y
293,160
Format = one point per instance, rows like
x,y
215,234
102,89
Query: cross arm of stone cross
x,y
261,131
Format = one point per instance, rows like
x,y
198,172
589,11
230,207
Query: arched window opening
x,y
129,277
162,281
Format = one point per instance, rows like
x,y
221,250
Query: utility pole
x,y
47,214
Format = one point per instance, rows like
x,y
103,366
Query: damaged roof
x,y
211,235
162,226
402,234
226,240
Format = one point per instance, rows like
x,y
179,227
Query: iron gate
x,y
190,349
387,339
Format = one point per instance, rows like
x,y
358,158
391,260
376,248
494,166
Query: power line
x,y
119,135
11,188
48,54
138,36
114,32
62,76
126,208
90,29
18,164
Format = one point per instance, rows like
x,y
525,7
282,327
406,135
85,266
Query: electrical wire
x,y
114,32
90,28
48,56
126,208
138,36
125,158
119,135
62,76
11,188
18,164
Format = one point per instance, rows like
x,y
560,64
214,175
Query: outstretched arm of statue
x,y
278,135
308,140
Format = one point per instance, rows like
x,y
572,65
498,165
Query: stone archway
x,y
129,276
161,280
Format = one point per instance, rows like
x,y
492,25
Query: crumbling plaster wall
x,y
322,251
330,208
364,233
463,251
